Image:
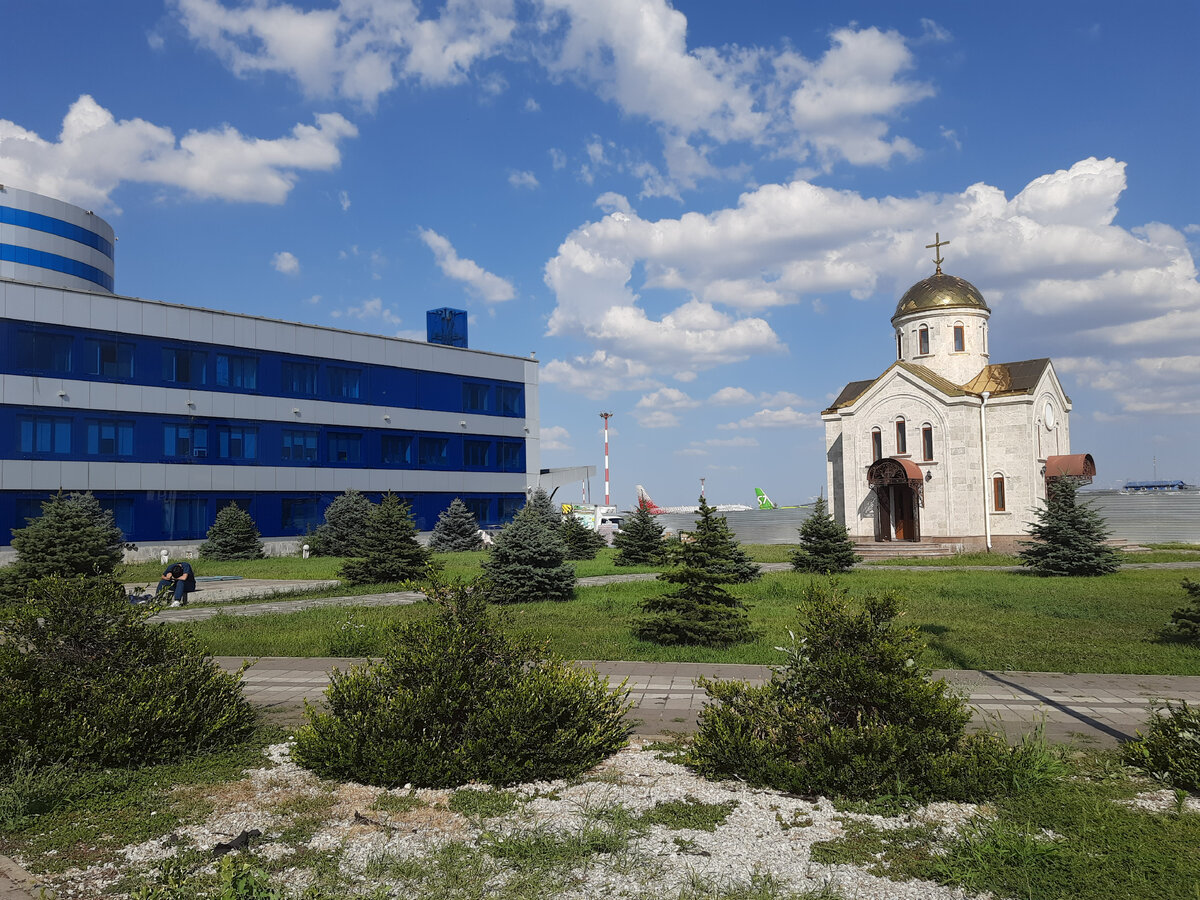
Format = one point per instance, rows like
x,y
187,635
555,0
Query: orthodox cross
x,y
936,247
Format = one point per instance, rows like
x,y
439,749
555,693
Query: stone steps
x,y
869,550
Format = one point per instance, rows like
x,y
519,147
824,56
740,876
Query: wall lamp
x,y
929,475
62,395
296,410
463,423
386,417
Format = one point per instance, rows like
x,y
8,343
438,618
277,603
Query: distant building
x,y
167,412
947,446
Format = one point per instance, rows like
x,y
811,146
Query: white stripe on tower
x,y
606,416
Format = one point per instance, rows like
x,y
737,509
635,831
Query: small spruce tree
x,y
541,503
456,529
720,549
1068,537
581,542
1185,621
640,540
526,562
345,527
391,551
233,535
825,545
74,535
699,610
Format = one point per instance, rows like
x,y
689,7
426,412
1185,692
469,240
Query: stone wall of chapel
x,y
957,366
1012,453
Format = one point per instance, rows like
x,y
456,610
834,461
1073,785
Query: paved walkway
x,y
1094,709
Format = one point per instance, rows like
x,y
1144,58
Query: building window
x,y
184,518
960,339
44,351
397,450
508,456
345,448
344,384
237,442
481,508
108,359
998,493
876,444
901,436
300,378
476,397
927,442
899,345
44,434
299,446
434,453
185,440
509,507
508,400
184,366
298,514
923,341
237,371
476,453
121,509
108,437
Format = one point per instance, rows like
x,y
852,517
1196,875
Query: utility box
x,y
447,326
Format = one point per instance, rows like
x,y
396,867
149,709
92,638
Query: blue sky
x,y
699,216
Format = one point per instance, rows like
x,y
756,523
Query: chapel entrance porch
x,y
899,495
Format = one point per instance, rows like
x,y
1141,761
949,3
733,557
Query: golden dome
x,y
940,292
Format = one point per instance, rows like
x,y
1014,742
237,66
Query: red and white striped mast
x,y
606,416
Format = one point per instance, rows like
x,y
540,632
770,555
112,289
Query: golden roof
x,y
940,292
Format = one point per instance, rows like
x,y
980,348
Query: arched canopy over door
x,y
900,491
1079,467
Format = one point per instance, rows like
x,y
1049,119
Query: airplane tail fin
x,y
764,502
644,501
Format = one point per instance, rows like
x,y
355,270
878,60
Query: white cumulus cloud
x,y
523,180
284,261
776,418
555,437
485,285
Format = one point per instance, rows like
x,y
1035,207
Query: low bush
x,y
233,535
455,700
1170,749
852,713
84,678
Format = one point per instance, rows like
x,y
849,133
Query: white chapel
x,y
946,446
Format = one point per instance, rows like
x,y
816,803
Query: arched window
x,y
876,445
899,345
923,340
927,442
901,436
960,338
998,492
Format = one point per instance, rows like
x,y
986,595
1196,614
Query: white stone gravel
x,y
767,832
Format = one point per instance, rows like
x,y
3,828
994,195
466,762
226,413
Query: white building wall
x,y
958,367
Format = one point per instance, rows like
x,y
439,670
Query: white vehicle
x,y
604,520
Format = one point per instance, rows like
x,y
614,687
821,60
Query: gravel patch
x,y
373,833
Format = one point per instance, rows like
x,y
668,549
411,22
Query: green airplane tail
x,y
764,502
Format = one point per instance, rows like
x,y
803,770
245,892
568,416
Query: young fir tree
x,y
640,540
526,562
456,529
581,542
345,527
1185,621
74,535
391,551
1068,537
699,610
541,503
825,545
233,535
723,553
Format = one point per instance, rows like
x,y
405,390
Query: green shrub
x,y
1170,749
455,700
84,678
640,540
825,545
526,562
344,530
390,547
851,713
581,542
1068,537
456,529
233,535
1185,621
74,535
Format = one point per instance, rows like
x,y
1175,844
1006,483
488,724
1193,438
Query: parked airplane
x,y
765,502
645,502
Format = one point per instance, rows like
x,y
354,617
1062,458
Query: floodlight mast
x,y
606,416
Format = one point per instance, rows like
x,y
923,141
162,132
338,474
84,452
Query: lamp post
x,y
606,416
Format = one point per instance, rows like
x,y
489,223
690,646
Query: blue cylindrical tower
x,y
50,242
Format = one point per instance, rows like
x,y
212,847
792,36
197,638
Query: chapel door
x,y
883,517
905,512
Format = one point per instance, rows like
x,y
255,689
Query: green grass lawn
x,y
970,619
